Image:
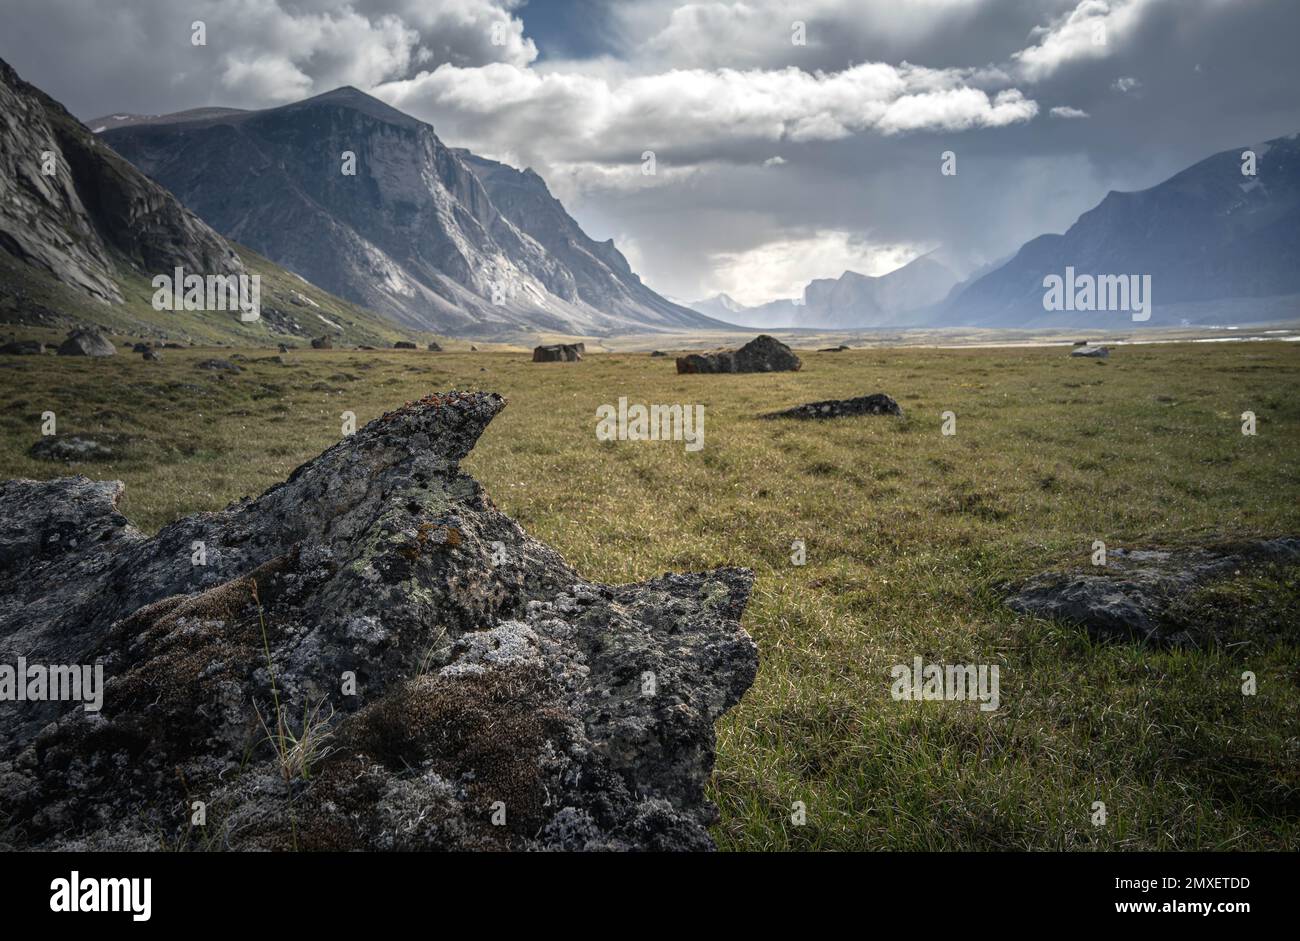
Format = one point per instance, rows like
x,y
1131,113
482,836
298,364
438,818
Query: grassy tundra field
x,y
910,536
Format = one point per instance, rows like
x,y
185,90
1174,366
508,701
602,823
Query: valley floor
x,y
910,538
937,337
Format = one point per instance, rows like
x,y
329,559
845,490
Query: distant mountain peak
x,y
349,96
343,91
433,237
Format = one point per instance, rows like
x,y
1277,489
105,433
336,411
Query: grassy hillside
x,y
293,310
910,536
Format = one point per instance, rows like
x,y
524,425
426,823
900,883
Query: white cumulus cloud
x,y
1089,31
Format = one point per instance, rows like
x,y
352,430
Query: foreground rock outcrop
x,y
875,404
1134,597
367,656
762,354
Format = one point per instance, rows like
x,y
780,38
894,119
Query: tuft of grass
x,y
296,750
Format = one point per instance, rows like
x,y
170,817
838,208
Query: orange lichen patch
x,y
425,533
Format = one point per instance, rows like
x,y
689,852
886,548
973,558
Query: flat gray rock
x,y
68,448
876,404
219,365
23,348
1128,599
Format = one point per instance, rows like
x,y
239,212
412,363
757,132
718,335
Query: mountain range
x,y
372,229
368,203
1215,242
1219,247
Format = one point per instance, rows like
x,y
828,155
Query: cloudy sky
x,y
776,160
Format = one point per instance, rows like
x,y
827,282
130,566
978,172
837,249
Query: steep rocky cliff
x,y
92,213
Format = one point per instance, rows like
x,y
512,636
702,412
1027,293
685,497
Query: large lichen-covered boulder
x,y
367,656
86,341
559,353
762,354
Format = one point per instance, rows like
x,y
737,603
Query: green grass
x,y
909,537
285,299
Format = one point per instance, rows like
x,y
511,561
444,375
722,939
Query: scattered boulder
x,y
1080,342
322,343
658,353
834,349
86,341
435,348
23,348
173,346
473,349
877,404
68,448
404,345
487,669
152,356
559,353
283,348
762,354
1133,596
141,348
219,365
1091,352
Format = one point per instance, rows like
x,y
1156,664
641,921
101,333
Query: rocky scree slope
x,y
501,700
